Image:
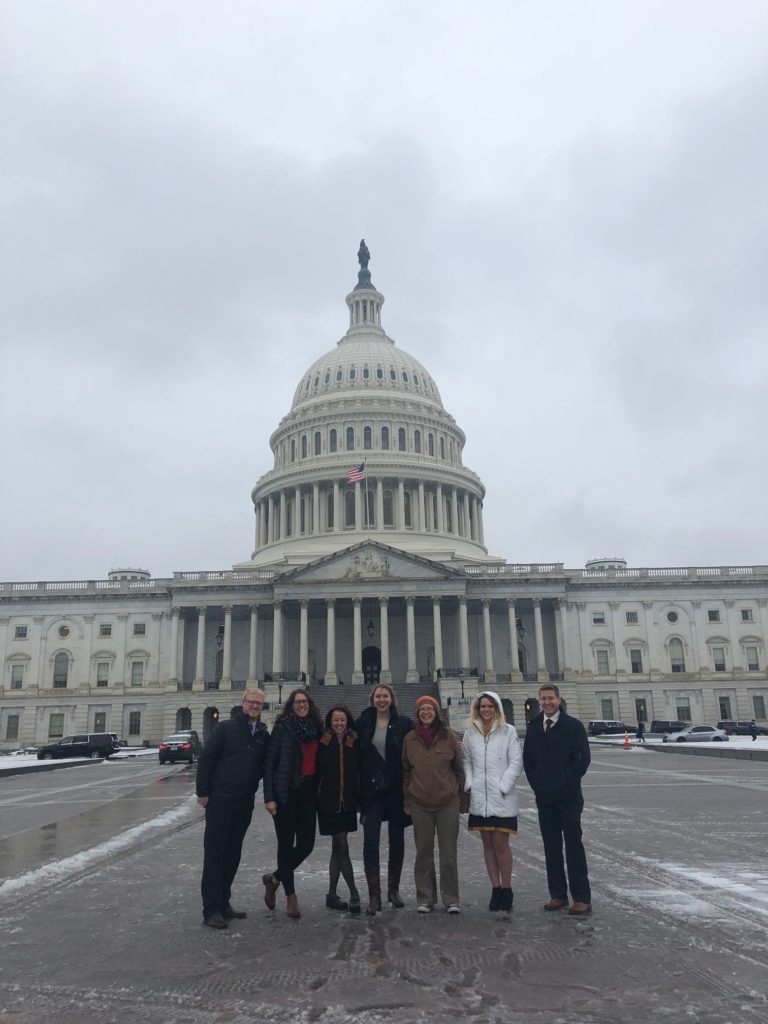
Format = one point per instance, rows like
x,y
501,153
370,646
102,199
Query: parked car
x,y
178,747
608,727
91,744
697,734
194,739
666,725
741,728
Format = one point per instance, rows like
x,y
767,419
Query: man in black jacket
x,y
228,775
555,757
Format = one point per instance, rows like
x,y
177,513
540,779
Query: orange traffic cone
x,y
626,741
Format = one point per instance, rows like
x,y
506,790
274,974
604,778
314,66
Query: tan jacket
x,y
433,777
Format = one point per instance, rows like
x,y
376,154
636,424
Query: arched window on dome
x,y
352,373
333,440
442,447
389,508
392,373
369,507
349,510
405,376
350,439
401,439
318,442
327,378
367,438
306,387
385,439
379,373
416,379
417,441
431,443
304,452
329,511
408,515
339,375
316,382
293,450
366,373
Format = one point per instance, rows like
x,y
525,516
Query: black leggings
x,y
340,864
372,819
295,829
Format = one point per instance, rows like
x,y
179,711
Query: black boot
x,y
495,902
506,900
394,870
354,902
374,891
333,902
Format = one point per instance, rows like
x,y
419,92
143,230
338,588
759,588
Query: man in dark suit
x,y
228,775
555,757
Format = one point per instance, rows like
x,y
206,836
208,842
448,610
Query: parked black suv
x,y
666,725
608,727
91,744
741,728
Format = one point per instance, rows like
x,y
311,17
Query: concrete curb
x,y
46,766
717,750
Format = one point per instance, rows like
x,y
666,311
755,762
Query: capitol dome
x,y
368,407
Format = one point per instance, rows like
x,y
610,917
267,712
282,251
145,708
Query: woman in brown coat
x,y
338,786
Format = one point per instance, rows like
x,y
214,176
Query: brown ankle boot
x,y
374,891
393,884
292,909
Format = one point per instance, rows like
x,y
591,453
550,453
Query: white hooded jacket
x,y
492,766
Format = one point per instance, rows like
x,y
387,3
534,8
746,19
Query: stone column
x,y
315,508
514,653
357,668
331,678
467,521
264,520
463,633
283,517
199,680
379,504
454,511
336,507
253,646
480,530
225,683
440,517
490,675
173,673
411,675
297,512
256,526
385,675
304,639
273,514
359,520
543,675
437,627
401,504
277,639
421,522
562,606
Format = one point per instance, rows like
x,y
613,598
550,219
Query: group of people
x,y
325,774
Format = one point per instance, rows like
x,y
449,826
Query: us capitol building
x,y
369,563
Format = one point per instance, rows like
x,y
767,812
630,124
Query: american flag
x,y
356,473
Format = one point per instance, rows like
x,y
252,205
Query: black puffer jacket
x,y
232,762
371,763
282,768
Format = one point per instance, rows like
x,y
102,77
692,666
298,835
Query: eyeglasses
x,y
301,703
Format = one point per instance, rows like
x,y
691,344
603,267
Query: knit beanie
x,y
426,699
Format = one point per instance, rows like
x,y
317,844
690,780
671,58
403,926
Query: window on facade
x,y
447,520
746,615
137,673
416,379
724,703
630,618
758,706
60,670
289,519
405,376
392,374
598,618
56,725
327,377
713,615
332,440
431,444
417,440
676,657
350,439
368,503
683,709
293,451
352,373
389,508
379,373
12,727
139,629
349,509
303,516
329,510
407,504
602,662
339,375
63,631
318,442
753,662
718,658
442,448
636,660
606,708
102,673
105,629
17,677
304,451
385,439
641,709
400,446
134,723
671,616
20,633
100,721
366,373
367,438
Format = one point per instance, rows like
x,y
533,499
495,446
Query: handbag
x,y
378,782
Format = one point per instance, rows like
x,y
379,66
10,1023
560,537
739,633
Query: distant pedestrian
x,y
338,786
640,732
753,730
555,757
228,775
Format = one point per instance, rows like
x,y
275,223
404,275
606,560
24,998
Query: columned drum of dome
x,y
368,404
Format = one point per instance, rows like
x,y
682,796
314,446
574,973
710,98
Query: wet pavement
x,y
676,847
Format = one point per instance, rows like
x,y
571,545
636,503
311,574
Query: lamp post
x,y
279,695
462,699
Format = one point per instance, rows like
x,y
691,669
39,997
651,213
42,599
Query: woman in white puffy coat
x,y
493,762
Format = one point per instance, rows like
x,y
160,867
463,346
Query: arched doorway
x,y
210,721
508,709
531,708
183,719
371,665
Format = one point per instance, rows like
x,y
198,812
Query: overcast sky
x,y
566,206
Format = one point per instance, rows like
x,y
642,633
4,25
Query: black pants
x,y
295,828
372,819
225,828
558,825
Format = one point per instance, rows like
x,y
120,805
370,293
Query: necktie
x,y
253,728
547,727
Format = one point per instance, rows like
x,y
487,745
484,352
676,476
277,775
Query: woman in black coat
x,y
290,792
338,775
381,731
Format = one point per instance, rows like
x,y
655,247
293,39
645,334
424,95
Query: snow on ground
x,y
9,761
761,743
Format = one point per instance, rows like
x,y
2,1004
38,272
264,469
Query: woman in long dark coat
x,y
338,788
381,731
